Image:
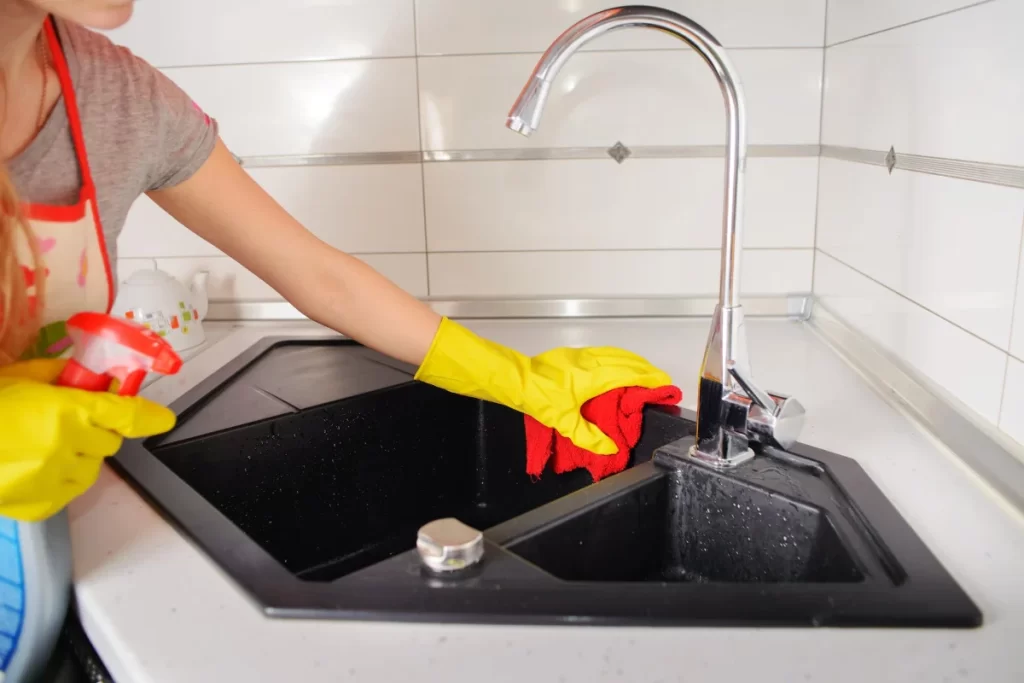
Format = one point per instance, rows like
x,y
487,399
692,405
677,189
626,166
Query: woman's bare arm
x,y
223,205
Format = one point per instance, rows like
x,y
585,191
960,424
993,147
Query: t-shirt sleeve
x,y
185,134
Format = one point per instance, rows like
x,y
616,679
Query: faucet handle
x,y
773,418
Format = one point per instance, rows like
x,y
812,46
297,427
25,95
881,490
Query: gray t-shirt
x,y
141,133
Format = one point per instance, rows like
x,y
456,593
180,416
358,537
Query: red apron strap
x,y
60,63
88,192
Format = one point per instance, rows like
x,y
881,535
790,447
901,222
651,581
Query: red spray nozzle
x,y
107,348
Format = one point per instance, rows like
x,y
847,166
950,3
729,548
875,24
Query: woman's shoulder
x,y
135,119
131,107
89,52
103,70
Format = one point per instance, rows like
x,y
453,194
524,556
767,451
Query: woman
x,y
85,129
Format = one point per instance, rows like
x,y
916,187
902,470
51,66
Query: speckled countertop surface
x,y
158,610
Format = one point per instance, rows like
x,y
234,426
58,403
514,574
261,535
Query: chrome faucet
x,y
731,410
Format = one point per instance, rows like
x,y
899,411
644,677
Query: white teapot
x,y
159,302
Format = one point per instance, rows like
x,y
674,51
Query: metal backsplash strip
x,y
994,456
528,154
995,174
793,306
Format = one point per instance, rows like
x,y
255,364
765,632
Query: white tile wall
x,y
937,78
947,87
229,281
487,26
951,245
365,76
597,204
610,273
1012,420
854,18
149,232
197,32
309,107
359,209
640,98
967,367
1017,340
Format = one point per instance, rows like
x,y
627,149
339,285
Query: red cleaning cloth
x,y
618,413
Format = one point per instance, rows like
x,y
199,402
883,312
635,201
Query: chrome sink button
x,y
448,545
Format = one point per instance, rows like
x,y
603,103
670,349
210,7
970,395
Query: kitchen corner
x,y
180,563
157,609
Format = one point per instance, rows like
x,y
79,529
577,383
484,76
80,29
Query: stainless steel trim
x,y
861,156
995,174
528,154
636,152
991,454
362,159
793,307
619,152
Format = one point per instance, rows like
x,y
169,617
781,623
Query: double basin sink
x,y
305,469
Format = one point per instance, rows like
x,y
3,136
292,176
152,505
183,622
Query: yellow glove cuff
x,y
464,363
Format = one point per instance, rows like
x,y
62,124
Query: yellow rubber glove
x,y
551,387
53,439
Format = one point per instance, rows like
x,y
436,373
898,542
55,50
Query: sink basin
x,y
690,523
304,468
343,472
341,486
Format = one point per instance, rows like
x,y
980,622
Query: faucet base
x,y
716,461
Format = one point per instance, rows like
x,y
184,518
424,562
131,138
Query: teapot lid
x,y
149,277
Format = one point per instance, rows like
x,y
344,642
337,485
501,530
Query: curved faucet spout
x,y
730,414
525,115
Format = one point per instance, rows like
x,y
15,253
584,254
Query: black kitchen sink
x,y
305,468
341,486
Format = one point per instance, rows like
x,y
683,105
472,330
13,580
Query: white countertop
x,y
157,610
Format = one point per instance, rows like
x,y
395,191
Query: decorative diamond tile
x,y
890,159
619,152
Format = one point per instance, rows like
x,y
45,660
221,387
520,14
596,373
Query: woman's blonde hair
x,y
19,312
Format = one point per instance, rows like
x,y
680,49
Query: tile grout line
x,y
604,51
1002,394
1019,286
916,303
446,55
821,129
642,250
419,129
911,23
1014,320
601,250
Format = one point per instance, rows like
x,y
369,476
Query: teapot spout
x,y
200,298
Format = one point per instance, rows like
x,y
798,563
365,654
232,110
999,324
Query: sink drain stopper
x,y
448,545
